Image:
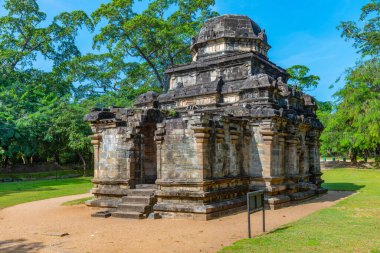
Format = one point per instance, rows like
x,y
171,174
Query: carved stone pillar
x,y
233,155
292,157
266,149
281,151
159,138
95,141
247,140
304,155
202,135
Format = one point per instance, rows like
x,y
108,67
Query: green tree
x,y
141,46
299,76
354,125
28,96
365,33
23,35
69,133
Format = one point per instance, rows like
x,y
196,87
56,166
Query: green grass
x,y
39,175
76,202
20,192
352,225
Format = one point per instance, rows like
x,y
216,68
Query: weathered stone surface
x,y
229,124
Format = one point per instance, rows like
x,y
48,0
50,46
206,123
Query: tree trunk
x,y
83,163
23,159
353,157
56,159
6,161
366,155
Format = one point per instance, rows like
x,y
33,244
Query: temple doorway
x,y
146,166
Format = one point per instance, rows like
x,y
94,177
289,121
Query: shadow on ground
x,y
280,229
340,194
337,186
19,246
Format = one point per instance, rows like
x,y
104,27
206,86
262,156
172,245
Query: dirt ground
x,y
37,226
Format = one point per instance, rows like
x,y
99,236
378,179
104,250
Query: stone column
x,y
312,152
202,135
266,152
95,141
247,140
159,138
315,169
304,158
233,159
291,156
220,156
281,151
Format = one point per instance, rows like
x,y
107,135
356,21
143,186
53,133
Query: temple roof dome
x,y
231,28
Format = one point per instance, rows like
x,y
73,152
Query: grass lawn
x,y
40,175
20,192
353,225
76,202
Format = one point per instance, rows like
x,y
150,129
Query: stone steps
x,y
146,186
138,204
133,207
138,199
140,192
128,215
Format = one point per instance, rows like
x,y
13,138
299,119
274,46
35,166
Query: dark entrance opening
x,y
146,166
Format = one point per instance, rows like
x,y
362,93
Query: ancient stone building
x,y
229,124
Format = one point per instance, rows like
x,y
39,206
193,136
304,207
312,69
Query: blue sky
x,y
299,31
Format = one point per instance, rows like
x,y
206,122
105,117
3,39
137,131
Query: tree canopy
x,y
299,76
41,111
353,126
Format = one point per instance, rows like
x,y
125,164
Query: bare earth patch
x,y
47,226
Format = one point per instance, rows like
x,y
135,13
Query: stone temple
x,y
228,124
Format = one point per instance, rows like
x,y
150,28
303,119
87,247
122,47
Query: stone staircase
x,y
138,204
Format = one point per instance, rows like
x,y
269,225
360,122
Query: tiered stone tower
x,y
229,124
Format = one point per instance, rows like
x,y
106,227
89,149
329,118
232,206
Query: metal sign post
x,y
255,202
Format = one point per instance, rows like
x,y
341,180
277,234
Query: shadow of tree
x,y
338,186
279,229
340,194
19,246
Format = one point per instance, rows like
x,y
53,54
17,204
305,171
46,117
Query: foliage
x,y
352,225
300,77
41,112
353,126
29,97
23,36
365,33
156,39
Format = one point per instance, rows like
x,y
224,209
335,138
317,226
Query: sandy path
x,y
31,227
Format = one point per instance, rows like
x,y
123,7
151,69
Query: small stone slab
x,y
154,216
58,234
102,214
